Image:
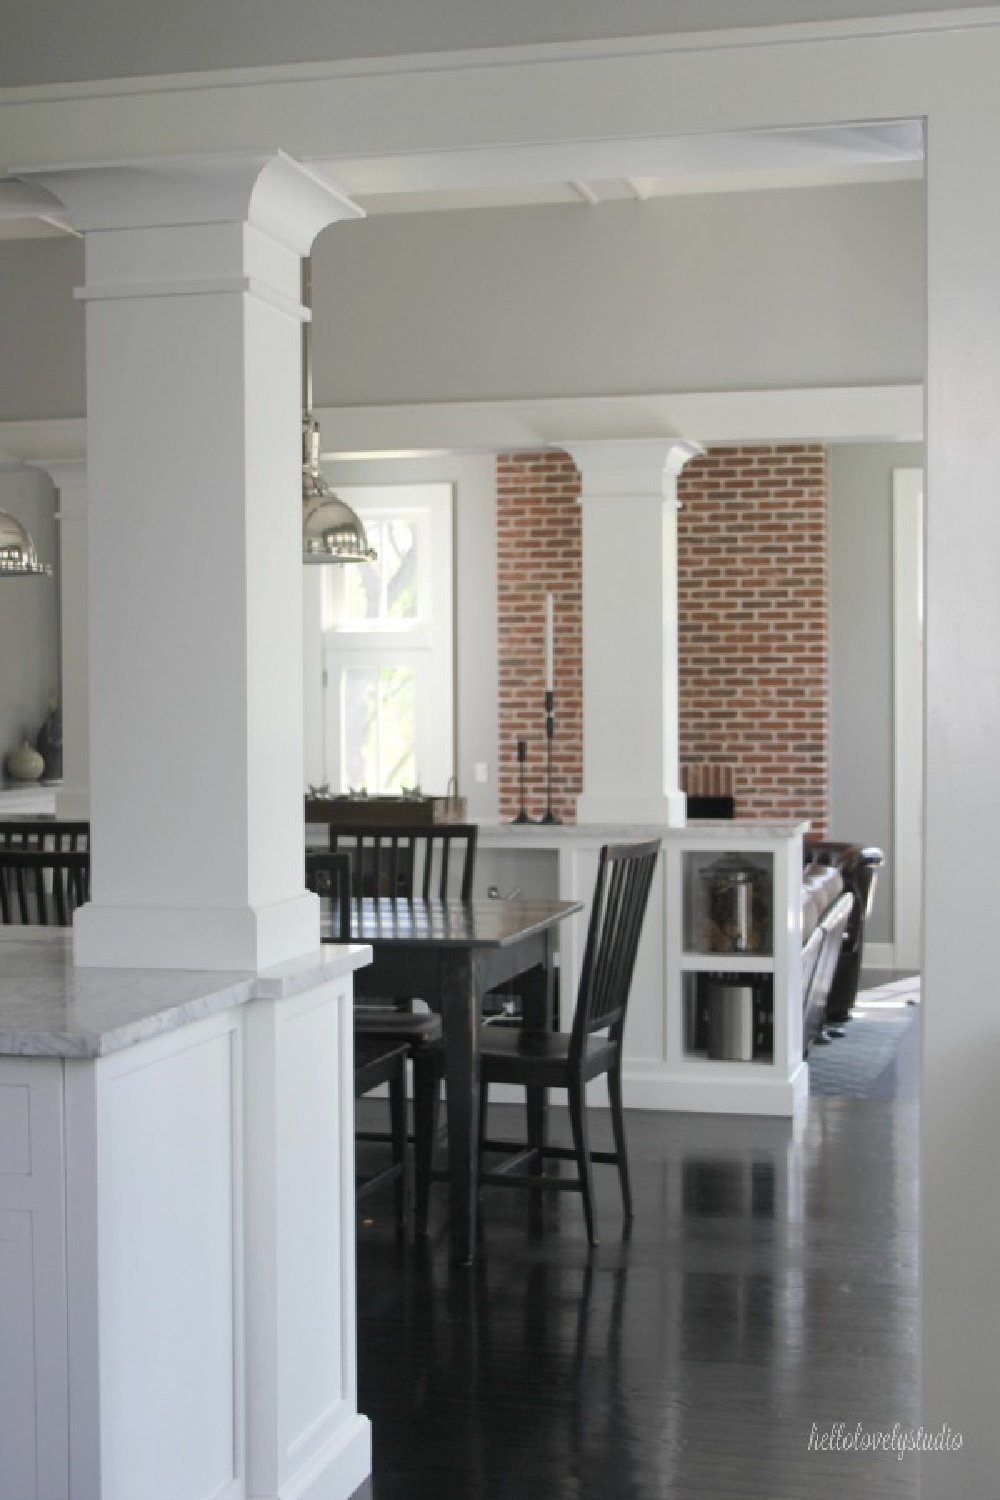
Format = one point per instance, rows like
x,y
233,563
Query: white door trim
x,y
908,714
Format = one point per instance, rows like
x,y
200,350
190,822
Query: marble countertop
x,y
49,1008
731,831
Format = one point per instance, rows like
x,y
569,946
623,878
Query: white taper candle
x,y
549,619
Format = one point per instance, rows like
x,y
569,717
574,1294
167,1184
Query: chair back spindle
x,y
42,887
621,892
44,833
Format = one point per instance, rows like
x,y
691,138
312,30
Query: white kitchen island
x,y
177,1288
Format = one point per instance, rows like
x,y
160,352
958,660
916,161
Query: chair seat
x,y
415,1028
506,1052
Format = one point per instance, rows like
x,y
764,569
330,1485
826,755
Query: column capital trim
x,y
630,469
68,476
270,190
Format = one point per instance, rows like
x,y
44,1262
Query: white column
x,y
960,1229
70,480
629,501
193,410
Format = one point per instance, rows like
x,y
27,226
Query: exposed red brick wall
x,y
752,644
538,553
753,656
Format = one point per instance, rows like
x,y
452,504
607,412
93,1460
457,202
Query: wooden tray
x,y
357,811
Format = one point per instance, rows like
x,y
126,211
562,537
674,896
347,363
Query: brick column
x,y
752,592
538,553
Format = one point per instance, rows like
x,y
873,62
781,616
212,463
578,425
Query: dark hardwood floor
x,y
766,1293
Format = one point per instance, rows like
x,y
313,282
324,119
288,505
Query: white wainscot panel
x,y
306,1438
310,1147
170,1334
33,1397
18,1365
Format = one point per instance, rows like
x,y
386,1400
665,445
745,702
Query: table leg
x,y
537,1007
537,987
460,1023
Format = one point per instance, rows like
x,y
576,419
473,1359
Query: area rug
x,y
852,1065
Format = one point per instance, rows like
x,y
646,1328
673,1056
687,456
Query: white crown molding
x,y
374,111
517,54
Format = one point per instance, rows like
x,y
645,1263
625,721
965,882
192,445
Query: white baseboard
x,y
880,956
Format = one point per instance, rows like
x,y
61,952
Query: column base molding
x,y
245,938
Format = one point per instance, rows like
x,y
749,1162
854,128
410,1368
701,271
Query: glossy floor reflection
x,y
767,1292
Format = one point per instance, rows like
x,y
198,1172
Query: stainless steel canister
x,y
734,906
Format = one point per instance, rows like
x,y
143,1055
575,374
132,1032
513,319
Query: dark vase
x,y
49,746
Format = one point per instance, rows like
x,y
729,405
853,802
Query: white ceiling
x,y
591,172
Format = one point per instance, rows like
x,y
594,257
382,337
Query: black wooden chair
x,y
432,859
378,1062
42,887
44,833
328,874
384,1038
545,1060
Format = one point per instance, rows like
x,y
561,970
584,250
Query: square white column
x,y
195,580
630,759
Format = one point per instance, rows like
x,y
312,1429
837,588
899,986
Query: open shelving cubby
x,y
734,991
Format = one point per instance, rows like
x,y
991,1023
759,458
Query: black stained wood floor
x,y
767,1292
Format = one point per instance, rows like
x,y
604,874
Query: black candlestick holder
x,y
522,756
550,728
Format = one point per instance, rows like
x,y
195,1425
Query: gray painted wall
x,y
29,615
64,40
42,353
624,298
860,581
559,301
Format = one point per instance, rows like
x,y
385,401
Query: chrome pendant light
x,y
331,531
18,558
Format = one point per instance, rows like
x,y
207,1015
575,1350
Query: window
x,y
387,639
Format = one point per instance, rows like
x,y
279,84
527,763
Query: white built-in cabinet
x,y
667,1063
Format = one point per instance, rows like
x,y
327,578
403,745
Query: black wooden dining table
x,y
451,953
